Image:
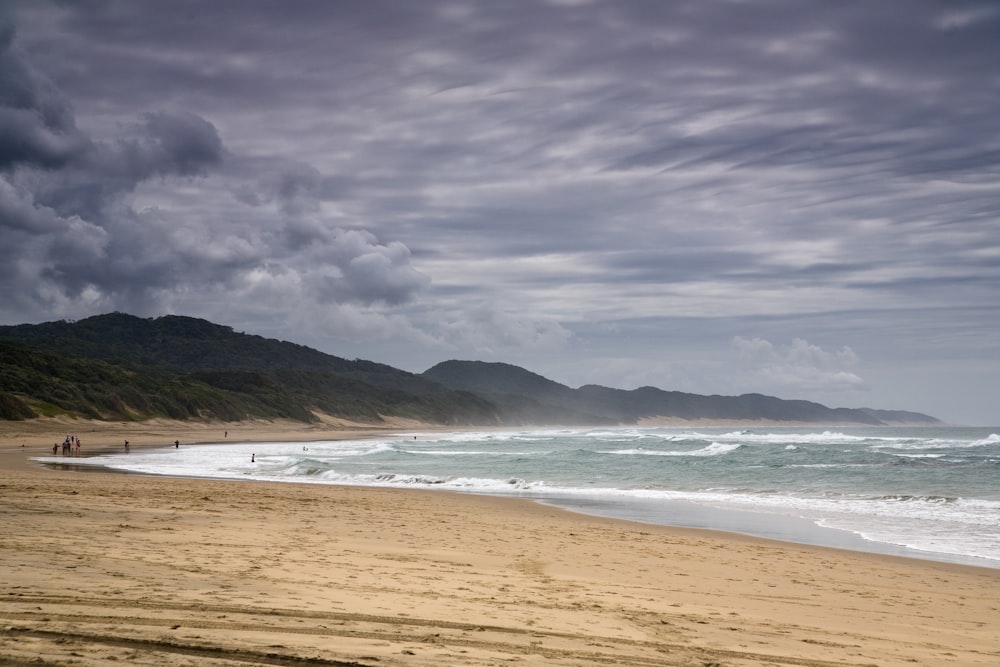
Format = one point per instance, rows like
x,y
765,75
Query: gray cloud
x,y
36,122
539,181
76,237
799,365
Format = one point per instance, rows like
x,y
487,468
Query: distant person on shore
x,y
177,444
126,446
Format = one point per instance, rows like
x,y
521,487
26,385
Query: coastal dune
x,y
99,568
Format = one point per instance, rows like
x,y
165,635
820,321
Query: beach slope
x,y
100,568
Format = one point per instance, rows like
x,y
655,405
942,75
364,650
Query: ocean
x,y
929,492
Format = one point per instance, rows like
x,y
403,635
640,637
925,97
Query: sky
x,y
799,198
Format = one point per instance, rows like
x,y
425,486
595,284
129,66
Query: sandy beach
x,y
99,568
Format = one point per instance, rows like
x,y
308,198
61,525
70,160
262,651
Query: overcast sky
x,y
793,197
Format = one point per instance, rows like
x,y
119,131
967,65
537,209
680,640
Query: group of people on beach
x,y
70,446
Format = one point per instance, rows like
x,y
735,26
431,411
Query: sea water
x,y
930,492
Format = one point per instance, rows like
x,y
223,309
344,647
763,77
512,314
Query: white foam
x,y
484,462
826,437
714,449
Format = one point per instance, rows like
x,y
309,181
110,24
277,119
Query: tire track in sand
x,y
408,634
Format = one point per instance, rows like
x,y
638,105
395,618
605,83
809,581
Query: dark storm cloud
x,y
36,122
63,219
93,181
72,232
183,144
292,185
555,166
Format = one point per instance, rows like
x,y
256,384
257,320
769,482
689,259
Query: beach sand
x,y
100,568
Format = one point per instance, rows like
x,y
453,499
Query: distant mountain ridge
x,y
501,382
118,366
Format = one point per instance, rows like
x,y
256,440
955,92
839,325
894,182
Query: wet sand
x,y
99,568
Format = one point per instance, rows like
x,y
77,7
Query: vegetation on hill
x,y
189,344
118,366
123,367
38,383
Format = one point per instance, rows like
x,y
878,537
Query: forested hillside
x,y
119,366
123,367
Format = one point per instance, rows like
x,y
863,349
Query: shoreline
x,y
722,522
155,570
725,521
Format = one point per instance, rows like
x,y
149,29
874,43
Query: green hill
x,y
119,366
39,383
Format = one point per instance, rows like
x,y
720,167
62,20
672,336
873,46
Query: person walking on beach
x,y
177,444
126,446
